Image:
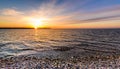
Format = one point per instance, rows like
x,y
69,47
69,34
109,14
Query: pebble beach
x,y
33,62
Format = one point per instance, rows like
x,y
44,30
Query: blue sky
x,y
62,12
24,4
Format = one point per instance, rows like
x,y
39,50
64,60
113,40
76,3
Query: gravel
x,y
32,62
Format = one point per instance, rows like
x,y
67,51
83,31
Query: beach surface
x,y
33,62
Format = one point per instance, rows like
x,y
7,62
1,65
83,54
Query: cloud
x,y
74,13
105,18
107,14
10,12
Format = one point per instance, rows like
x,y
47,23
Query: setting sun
x,y
36,22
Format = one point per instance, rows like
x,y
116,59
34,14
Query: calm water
x,y
59,43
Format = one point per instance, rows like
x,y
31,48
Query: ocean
x,y
59,43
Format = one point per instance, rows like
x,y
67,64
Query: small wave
x,y
63,48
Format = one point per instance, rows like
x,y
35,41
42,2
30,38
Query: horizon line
x,y
50,28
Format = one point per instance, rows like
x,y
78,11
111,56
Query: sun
x,y
36,22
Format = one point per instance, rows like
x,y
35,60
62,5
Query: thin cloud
x,y
107,18
10,12
102,15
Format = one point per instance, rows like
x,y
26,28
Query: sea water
x,y
59,42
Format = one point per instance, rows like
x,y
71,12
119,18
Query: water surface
x,y
59,43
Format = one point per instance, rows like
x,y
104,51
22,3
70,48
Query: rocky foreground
x,y
32,62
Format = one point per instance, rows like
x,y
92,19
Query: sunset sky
x,y
60,13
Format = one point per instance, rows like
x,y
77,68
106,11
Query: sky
x,y
60,13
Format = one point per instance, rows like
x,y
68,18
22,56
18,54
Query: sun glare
x,y
36,23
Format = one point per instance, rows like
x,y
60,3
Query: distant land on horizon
x,y
22,28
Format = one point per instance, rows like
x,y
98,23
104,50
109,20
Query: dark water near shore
x,y
59,43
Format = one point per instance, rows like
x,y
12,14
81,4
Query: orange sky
x,y
49,14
